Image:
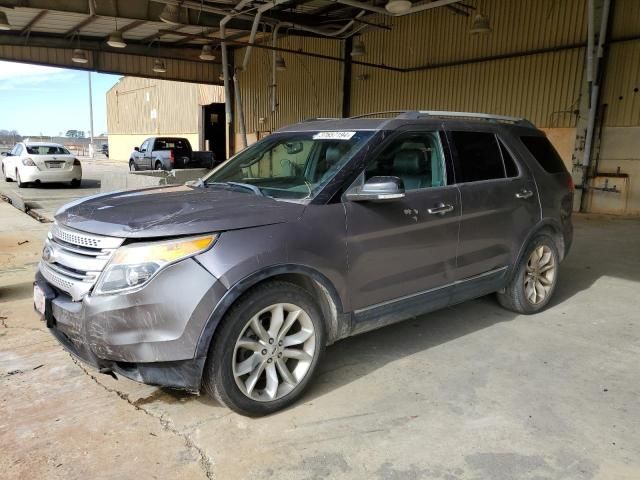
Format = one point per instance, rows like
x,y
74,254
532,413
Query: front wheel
x,y
132,166
535,278
265,352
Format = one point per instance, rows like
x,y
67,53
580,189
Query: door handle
x,y
524,194
441,209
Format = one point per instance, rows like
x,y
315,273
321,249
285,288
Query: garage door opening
x,y
213,129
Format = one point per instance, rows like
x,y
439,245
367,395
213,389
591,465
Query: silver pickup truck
x,y
168,153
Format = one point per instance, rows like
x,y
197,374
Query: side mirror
x,y
378,189
5,154
137,149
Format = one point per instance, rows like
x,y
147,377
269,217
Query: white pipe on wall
x,y
595,82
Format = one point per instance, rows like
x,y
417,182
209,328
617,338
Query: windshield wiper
x,y
247,186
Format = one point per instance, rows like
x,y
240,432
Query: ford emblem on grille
x,y
47,254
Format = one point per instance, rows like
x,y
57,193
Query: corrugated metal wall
x,y
621,90
149,106
308,88
542,87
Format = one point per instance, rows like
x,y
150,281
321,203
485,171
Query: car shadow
x,y
353,358
85,183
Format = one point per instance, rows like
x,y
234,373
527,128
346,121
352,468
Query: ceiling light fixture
x,y
358,49
480,24
159,66
398,6
4,22
115,40
79,56
281,66
171,14
207,53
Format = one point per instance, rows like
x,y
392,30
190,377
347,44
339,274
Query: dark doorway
x,y
214,126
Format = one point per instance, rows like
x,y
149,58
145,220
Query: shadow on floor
x,y
85,183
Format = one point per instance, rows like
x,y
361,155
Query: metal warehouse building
x,y
138,108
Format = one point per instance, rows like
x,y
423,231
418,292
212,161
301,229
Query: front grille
x,y
72,261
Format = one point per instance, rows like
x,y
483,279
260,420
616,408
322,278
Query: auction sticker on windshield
x,y
333,135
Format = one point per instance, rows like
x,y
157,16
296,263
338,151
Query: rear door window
x,y
543,151
479,156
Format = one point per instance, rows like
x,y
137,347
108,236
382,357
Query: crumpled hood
x,y
174,210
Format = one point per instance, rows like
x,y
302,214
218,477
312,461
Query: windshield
x,y
290,165
47,150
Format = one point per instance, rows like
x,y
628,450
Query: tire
x,y
20,183
75,183
132,166
4,174
158,166
227,358
534,274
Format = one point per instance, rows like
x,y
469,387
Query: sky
x,y
38,100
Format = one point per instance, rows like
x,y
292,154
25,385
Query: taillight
x,y
27,162
171,156
570,184
76,162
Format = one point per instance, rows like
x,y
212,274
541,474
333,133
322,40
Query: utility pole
x,y
91,149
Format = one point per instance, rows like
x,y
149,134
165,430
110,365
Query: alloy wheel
x,y
274,352
540,275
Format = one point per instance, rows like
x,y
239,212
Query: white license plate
x,y
38,299
55,165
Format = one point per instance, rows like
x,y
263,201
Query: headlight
x,y
134,265
27,162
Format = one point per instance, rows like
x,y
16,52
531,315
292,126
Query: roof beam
x,y
27,28
83,23
132,25
160,33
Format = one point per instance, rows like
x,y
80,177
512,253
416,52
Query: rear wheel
x,y
265,352
158,166
4,174
535,279
21,184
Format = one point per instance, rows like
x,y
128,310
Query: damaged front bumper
x,y
149,335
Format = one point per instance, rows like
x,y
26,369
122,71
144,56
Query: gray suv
x,y
324,229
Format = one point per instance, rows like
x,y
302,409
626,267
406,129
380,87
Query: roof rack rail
x,y
319,118
416,114
377,114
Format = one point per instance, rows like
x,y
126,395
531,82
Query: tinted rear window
x,y
170,143
543,151
47,150
479,156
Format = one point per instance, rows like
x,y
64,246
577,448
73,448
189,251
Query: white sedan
x,y
39,162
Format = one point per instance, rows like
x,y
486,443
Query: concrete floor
x,y
471,392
